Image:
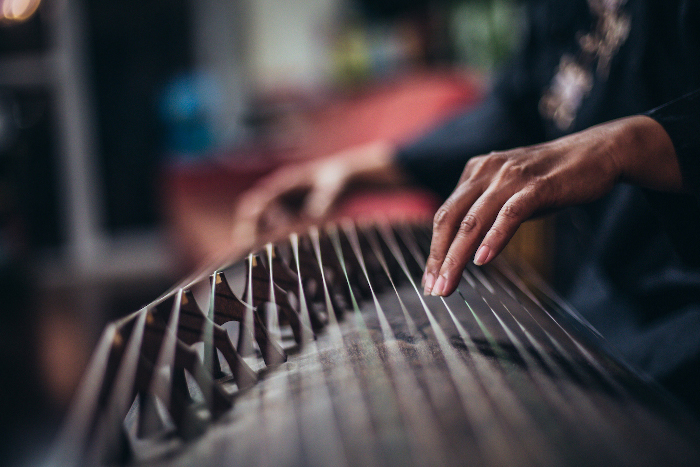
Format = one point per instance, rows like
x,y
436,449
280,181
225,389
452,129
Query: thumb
x,y
320,200
330,182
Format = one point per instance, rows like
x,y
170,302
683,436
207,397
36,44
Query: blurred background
x,y
127,127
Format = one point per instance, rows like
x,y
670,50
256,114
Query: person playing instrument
x,y
602,106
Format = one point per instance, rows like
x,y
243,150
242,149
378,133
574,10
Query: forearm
x,y
374,163
500,190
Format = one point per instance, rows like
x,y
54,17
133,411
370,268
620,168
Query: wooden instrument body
x,y
340,360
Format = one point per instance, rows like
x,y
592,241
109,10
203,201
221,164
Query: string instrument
x,y
322,350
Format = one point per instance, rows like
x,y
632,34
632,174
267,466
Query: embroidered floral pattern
x,y
574,78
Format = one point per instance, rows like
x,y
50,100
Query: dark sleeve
x,y
681,213
437,160
507,118
681,120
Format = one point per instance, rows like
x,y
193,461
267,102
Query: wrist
x,y
372,163
645,154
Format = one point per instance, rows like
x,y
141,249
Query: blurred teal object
x,y
189,107
486,32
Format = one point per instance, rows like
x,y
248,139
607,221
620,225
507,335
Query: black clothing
x,y
681,120
616,260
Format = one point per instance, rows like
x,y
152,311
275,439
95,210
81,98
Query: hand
x,y
307,191
499,191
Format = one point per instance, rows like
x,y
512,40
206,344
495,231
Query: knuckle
x,y
468,224
479,163
542,190
497,233
476,161
495,165
470,165
451,262
501,158
513,210
434,258
514,170
496,155
470,168
441,217
548,186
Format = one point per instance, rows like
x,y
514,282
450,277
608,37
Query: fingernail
x,y
482,255
429,283
439,289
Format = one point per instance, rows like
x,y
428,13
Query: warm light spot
x,y
18,10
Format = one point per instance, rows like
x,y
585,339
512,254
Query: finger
x,y
253,202
275,218
249,214
471,230
519,208
267,194
320,200
243,234
445,225
245,219
329,181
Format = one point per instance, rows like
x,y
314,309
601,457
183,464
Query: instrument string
x,y
493,443
543,383
426,440
365,375
493,374
352,413
572,402
557,406
381,399
643,427
579,346
274,415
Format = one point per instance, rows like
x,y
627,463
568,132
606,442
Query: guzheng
x,y
322,350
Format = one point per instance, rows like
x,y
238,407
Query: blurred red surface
x,y
198,197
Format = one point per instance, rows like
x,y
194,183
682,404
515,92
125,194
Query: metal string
x,y
421,423
496,448
381,398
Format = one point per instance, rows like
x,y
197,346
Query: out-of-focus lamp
x,y
17,10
